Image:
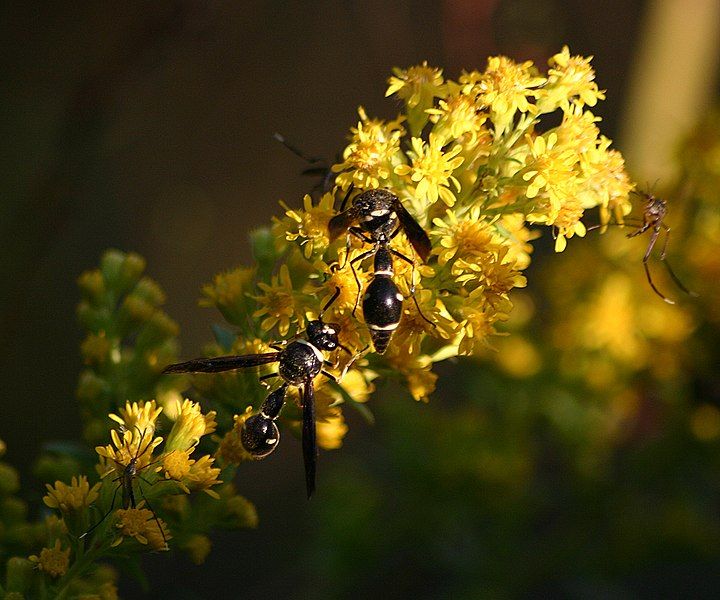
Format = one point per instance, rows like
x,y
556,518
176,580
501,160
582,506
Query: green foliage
x,y
129,339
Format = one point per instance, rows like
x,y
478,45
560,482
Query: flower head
x,y
134,445
189,427
277,301
71,498
505,88
140,416
203,475
457,115
416,85
432,170
308,226
571,81
229,293
142,525
231,449
549,169
53,561
369,158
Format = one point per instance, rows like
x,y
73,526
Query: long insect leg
x,y
674,277
651,245
412,284
329,303
105,516
155,517
362,256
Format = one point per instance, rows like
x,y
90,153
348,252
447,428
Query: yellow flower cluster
x,y
53,561
138,422
133,467
476,168
71,498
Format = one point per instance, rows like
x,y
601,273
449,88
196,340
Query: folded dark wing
x,y
309,442
339,224
222,363
416,234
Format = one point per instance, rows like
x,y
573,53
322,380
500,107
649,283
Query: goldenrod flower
x,y
353,334
71,498
140,417
415,367
133,445
421,380
504,88
358,383
414,328
465,238
343,279
578,130
571,80
549,168
189,427
176,465
143,526
416,85
568,222
228,291
478,323
231,449
203,475
53,561
511,227
432,170
309,226
604,182
369,158
277,302
458,114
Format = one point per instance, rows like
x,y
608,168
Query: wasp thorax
x,y
260,436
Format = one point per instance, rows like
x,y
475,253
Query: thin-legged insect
x,y
652,220
125,482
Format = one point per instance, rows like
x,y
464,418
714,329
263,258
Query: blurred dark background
x,y
148,127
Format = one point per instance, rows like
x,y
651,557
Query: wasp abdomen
x,y
260,436
382,309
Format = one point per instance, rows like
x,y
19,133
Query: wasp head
x,y
323,336
378,214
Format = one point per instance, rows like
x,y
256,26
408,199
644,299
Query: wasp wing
x,y
222,363
309,441
416,234
339,224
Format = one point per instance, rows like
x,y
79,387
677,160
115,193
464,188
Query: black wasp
x,y
376,217
299,362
